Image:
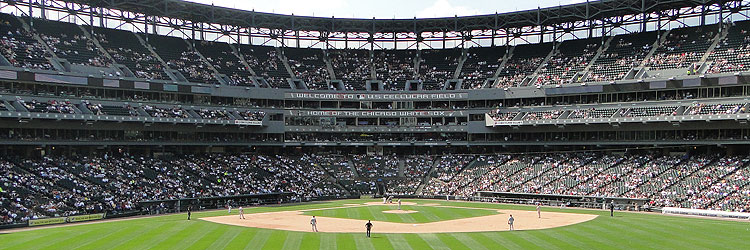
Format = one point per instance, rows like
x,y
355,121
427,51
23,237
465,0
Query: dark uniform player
x,y
368,226
188,212
611,209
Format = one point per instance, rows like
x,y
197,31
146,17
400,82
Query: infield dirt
x,y
296,221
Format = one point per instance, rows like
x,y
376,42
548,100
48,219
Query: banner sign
x,y
506,123
377,96
248,123
87,217
374,113
47,221
69,219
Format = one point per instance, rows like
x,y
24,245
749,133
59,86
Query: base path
x,y
296,221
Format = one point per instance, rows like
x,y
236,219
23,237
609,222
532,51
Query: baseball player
x,y
189,212
612,208
510,222
230,209
538,210
314,224
242,213
368,226
399,203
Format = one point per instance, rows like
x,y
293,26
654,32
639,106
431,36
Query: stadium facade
x,y
630,83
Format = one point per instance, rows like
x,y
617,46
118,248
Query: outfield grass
x,y
425,213
624,231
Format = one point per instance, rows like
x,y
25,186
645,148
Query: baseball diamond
x,y
590,229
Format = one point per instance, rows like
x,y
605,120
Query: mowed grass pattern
x,y
425,213
624,231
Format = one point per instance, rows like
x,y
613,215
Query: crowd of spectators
x,y
310,68
267,64
190,64
174,112
623,54
51,106
701,181
63,186
353,67
417,166
20,48
394,68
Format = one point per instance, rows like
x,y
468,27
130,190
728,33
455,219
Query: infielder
x,y
510,222
242,213
539,210
399,203
368,226
314,224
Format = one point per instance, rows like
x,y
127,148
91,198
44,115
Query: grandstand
x,y
167,110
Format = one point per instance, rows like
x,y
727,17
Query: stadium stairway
x,y
499,70
150,49
218,76
580,76
531,79
239,55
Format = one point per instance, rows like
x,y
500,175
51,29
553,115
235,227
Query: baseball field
x,y
419,224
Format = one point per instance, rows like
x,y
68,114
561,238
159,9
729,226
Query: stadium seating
x,y
19,46
569,62
481,63
309,66
624,53
523,63
352,67
266,63
394,67
221,56
179,56
68,41
437,66
125,49
732,54
682,48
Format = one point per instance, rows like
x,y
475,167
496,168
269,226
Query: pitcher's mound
x,y
400,211
405,203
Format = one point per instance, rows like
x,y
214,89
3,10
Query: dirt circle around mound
x,y
400,211
297,221
378,203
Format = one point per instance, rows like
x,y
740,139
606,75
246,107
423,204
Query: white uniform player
x,y
539,210
314,223
510,222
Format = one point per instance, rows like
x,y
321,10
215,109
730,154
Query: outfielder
x,y
314,224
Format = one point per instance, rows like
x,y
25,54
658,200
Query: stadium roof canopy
x,y
596,10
